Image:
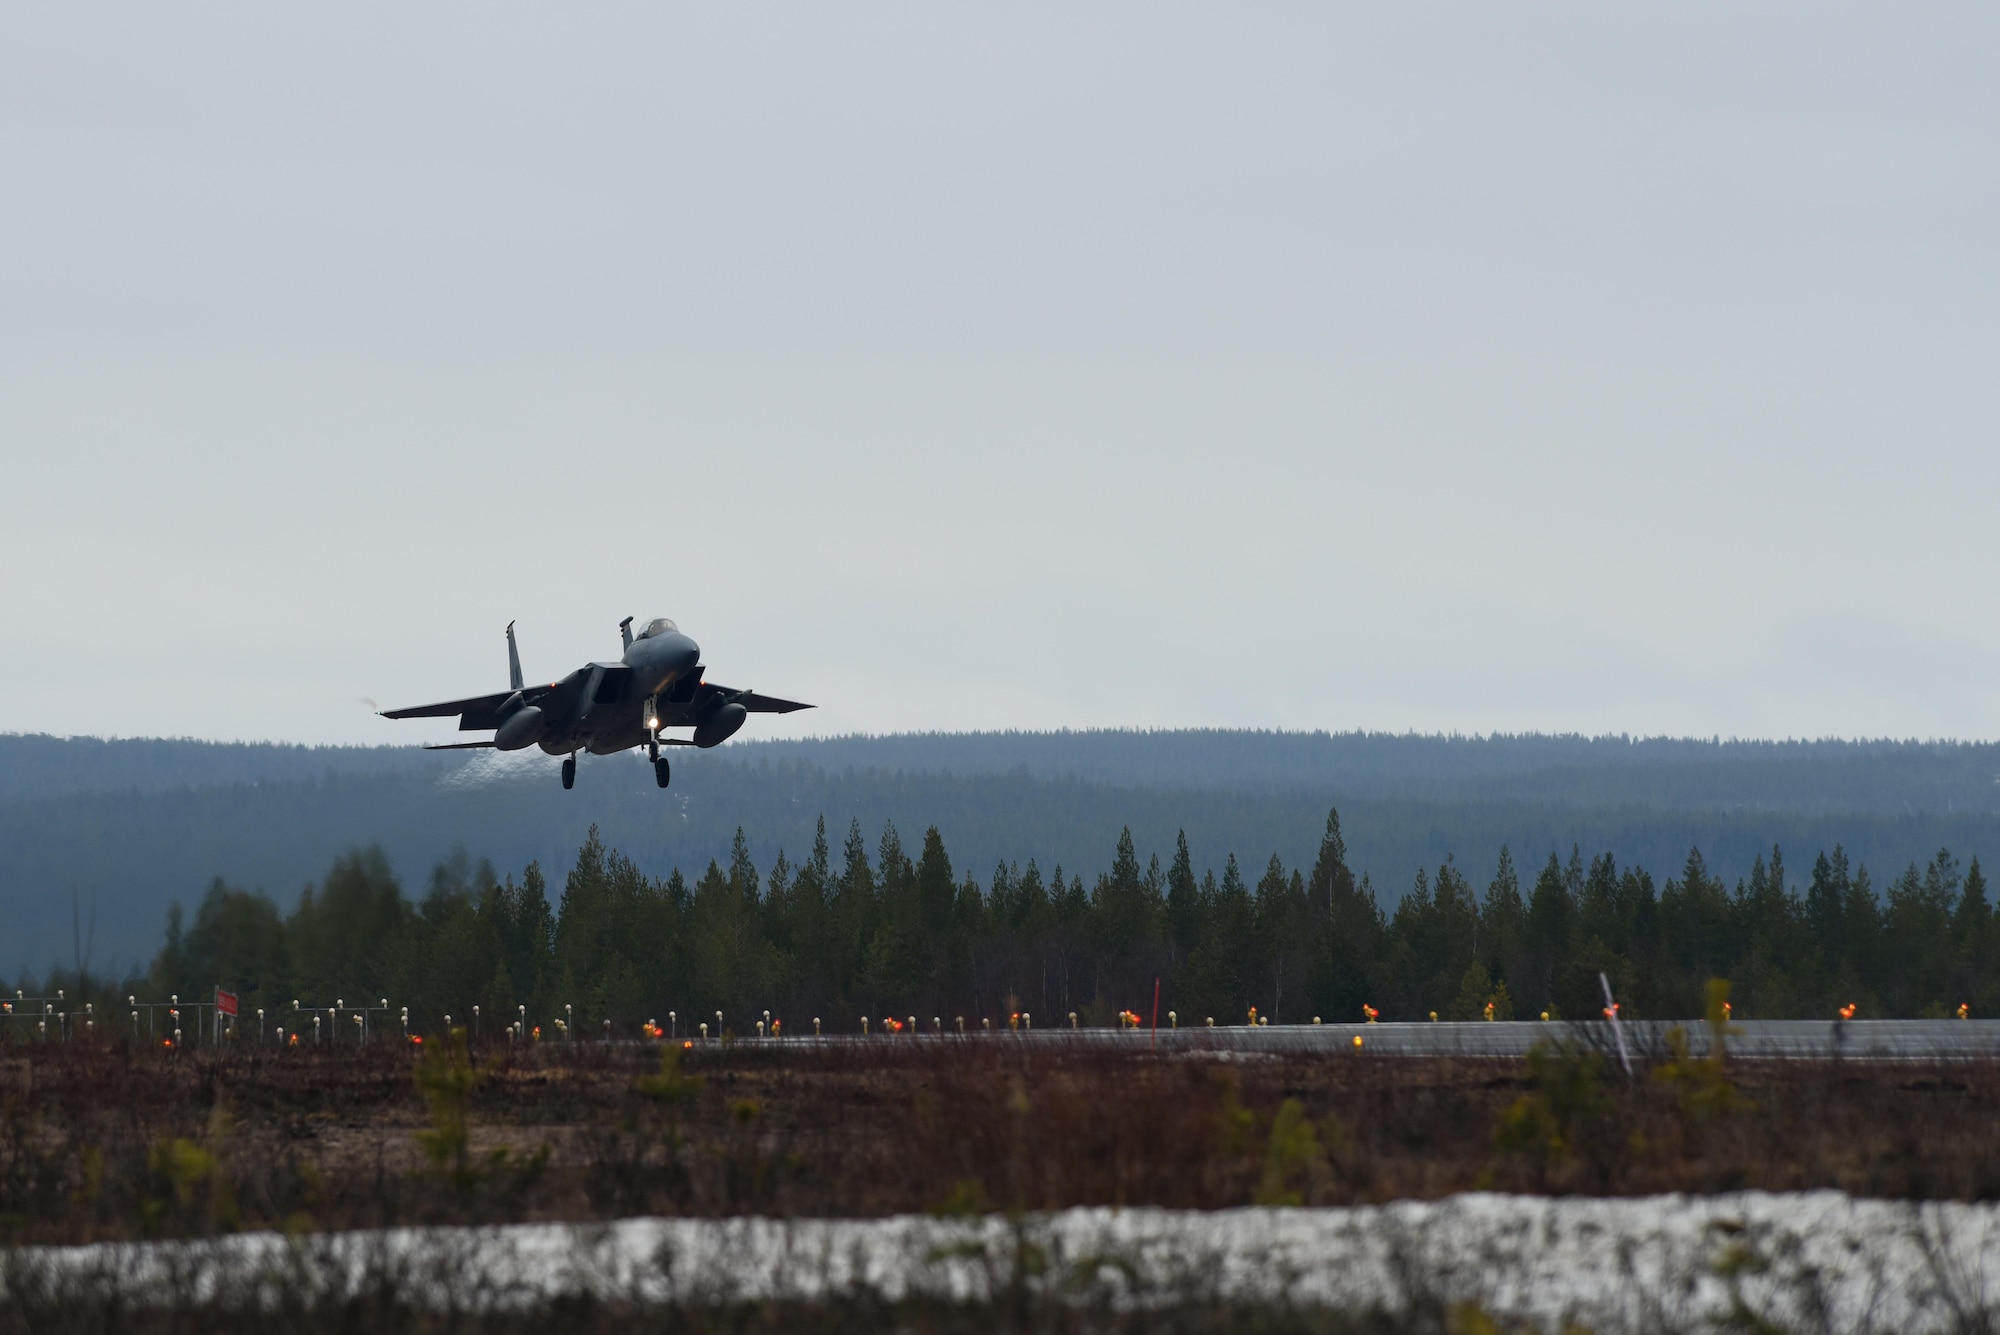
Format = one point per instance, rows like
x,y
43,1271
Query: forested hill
x,y
37,765
134,825
1665,772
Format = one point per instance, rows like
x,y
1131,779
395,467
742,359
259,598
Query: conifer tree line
x,y
855,931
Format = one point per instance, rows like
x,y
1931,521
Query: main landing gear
x,y
569,771
662,772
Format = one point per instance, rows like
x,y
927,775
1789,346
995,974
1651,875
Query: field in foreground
x,y
102,1143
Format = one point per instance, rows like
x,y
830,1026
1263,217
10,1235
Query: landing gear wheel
x,y
662,772
569,771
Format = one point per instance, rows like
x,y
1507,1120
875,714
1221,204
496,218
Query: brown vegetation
x,y
108,1142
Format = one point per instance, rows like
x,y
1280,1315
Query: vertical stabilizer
x,y
625,629
513,660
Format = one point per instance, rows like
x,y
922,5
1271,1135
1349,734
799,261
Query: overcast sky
x,y
1477,367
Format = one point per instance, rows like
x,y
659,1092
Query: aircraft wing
x,y
479,711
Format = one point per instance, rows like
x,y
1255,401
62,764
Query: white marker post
x,y
1611,1014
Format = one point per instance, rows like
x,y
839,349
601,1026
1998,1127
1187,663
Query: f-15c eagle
x,y
604,708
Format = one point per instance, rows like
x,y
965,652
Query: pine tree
x,y
1916,931
1551,922
1597,911
1183,900
1352,931
854,914
1503,926
1972,943
1475,989
1826,900
1457,919
935,892
1124,928
811,945
1695,936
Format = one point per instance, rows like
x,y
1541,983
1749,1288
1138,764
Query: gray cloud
x,y
1436,367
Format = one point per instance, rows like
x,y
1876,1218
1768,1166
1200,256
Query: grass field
x,y
102,1142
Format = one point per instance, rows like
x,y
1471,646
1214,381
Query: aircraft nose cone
x,y
664,659
686,655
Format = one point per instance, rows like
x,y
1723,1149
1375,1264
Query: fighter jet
x,y
604,708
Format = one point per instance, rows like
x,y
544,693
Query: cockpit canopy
x,y
657,626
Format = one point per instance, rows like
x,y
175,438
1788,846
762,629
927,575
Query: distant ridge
x,y
38,765
1881,775
139,823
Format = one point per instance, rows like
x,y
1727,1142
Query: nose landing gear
x,y
569,771
662,772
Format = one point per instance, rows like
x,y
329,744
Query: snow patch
x,y
1819,1260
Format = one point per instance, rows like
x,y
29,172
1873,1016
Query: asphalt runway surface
x,y
1807,1040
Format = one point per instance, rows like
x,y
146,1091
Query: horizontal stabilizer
x,y
456,746
759,704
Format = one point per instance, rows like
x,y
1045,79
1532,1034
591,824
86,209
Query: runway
x,y
1796,1040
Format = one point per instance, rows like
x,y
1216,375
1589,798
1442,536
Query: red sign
x,y
225,1002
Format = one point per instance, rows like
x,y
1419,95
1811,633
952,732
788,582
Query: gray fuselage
x,y
602,708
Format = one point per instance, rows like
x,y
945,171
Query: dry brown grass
x,y
99,1142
